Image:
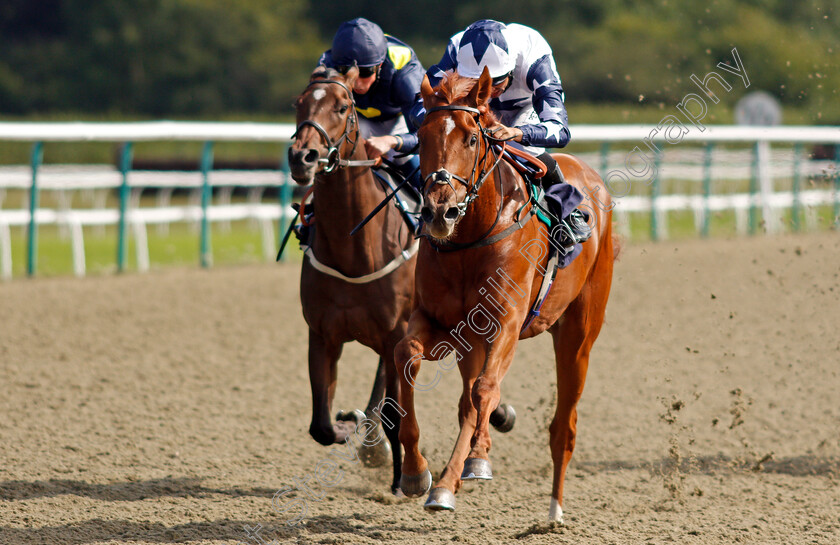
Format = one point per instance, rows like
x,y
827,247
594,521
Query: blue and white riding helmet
x,y
359,42
485,44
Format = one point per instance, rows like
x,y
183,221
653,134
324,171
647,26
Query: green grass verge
x,y
242,243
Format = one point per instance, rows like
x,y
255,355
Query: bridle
x,y
333,159
444,177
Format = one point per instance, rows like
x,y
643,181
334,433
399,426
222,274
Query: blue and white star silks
x,y
536,86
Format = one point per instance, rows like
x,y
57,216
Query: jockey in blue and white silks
x,y
532,99
527,98
389,80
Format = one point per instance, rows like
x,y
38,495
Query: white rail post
x,y
765,182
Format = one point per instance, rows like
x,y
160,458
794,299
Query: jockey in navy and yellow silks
x,y
389,79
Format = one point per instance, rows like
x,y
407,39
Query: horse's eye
x,y
473,140
343,109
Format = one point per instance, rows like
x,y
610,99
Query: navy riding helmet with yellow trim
x,y
359,42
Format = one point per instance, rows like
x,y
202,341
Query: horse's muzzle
x,y
302,164
440,220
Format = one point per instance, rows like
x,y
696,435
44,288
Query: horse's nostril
x,y
426,214
452,213
311,156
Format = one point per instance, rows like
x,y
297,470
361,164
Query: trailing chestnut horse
x,y
478,275
352,288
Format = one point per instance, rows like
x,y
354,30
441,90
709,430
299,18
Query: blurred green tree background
x,y
217,58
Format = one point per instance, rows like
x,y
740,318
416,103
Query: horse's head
x,y
326,121
452,148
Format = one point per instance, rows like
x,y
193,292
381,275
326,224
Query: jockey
x,y
527,98
389,79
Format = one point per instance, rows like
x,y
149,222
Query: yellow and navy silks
x,y
395,89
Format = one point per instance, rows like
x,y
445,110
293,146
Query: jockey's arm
x,y
404,87
553,130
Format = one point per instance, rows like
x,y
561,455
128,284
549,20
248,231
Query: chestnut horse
x,y
478,274
352,287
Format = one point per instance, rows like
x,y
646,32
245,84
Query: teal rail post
x,y
707,188
605,158
797,182
32,239
206,192
285,194
835,221
754,191
654,196
122,229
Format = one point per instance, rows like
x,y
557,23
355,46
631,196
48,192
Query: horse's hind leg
x,y
574,336
378,389
391,413
323,362
379,453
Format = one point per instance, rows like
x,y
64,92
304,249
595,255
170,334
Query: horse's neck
x,y
341,202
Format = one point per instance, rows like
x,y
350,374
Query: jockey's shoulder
x,y
400,55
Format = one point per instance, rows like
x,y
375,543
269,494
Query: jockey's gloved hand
x,y
501,132
376,146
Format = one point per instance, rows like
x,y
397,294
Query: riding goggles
x,y
364,71
501,79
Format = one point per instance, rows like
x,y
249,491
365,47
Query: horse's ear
x,y
350,76
480,93
319,72
426,91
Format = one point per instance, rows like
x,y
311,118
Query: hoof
x,y
476,468
503,418
376,456
356,415
440,499
415,486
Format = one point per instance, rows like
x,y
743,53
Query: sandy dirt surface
x,y
170,407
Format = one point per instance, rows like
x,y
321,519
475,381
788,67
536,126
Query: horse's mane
x,y
454,87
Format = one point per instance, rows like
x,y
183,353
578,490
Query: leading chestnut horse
x,y
478,275
357,287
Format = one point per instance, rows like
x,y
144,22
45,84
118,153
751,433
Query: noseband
x,y
444,177
333,159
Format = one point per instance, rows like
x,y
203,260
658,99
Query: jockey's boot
x,y
573,228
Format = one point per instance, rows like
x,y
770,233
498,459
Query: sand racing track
x,y
170,407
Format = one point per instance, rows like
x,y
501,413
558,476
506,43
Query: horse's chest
x,y
493,294
347,313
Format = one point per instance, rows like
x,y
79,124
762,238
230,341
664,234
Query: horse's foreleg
x,y
323,360
573,337
486,396
443,495
416,478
